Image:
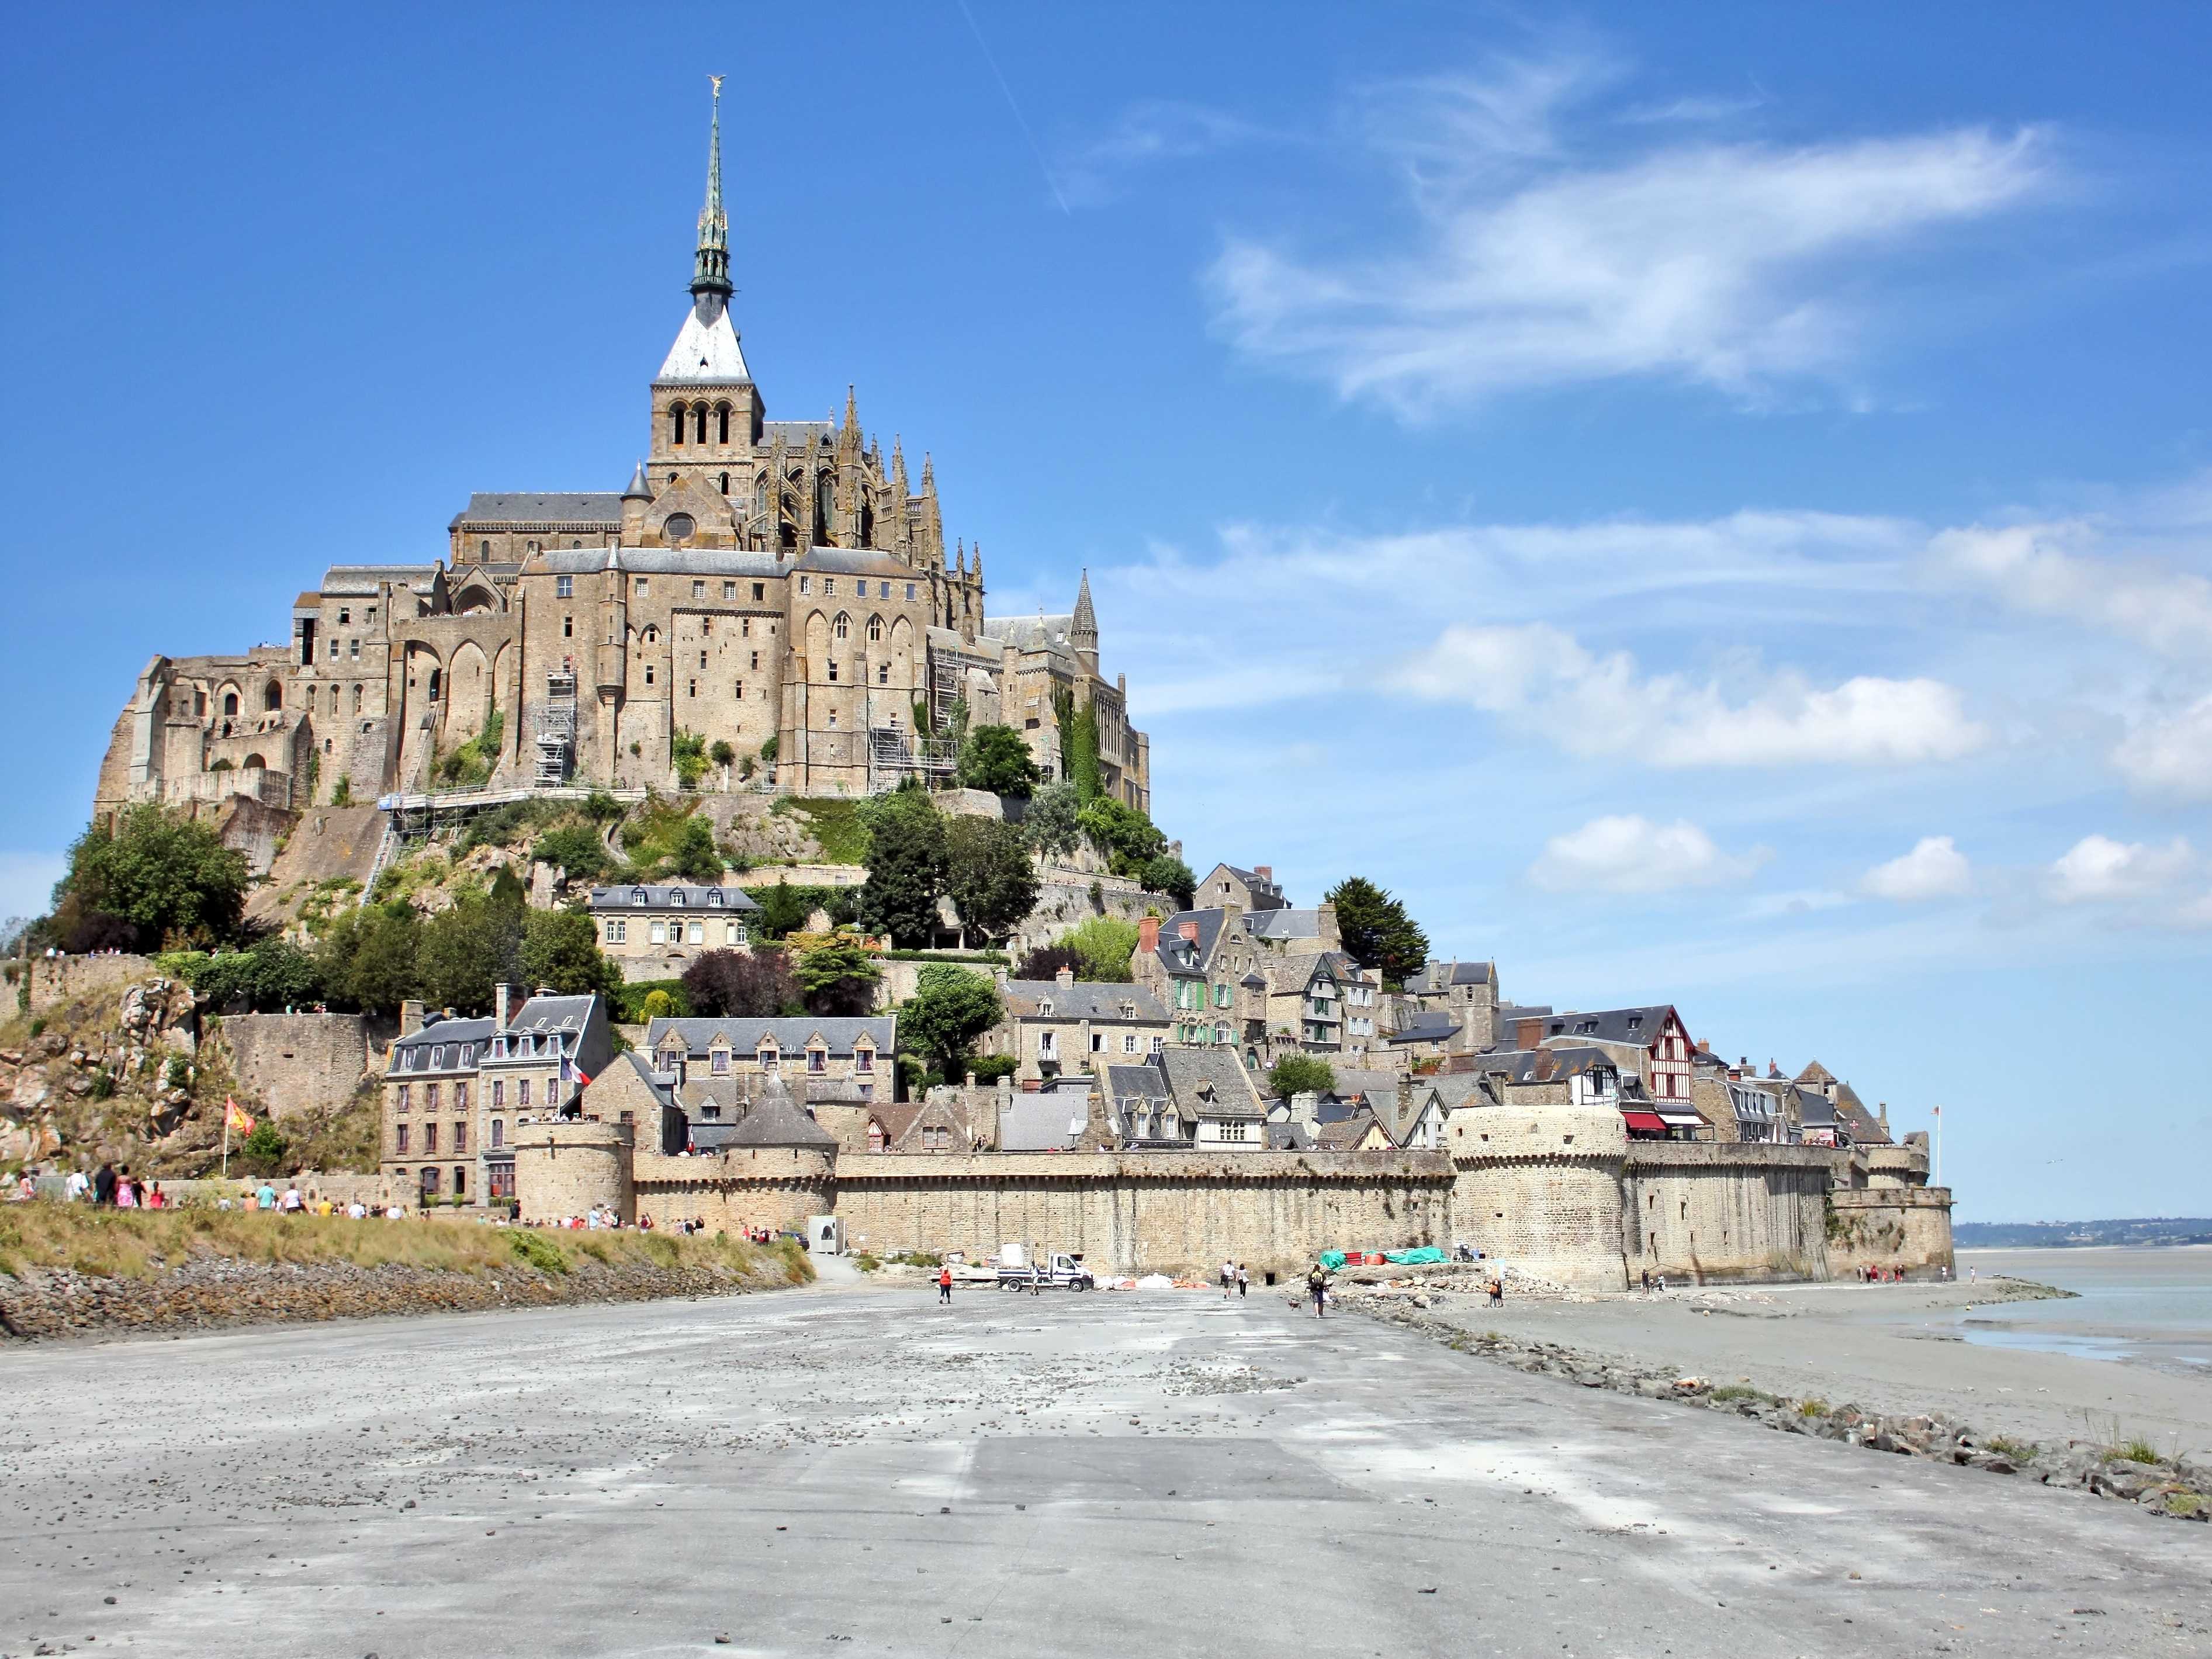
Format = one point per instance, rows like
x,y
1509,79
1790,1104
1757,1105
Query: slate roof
x,y
1815,1109
854,560
1030,633
649,897
597,509
1284,924
1179,957
1347,1132
1866,1129
776,1120
1136,1082
791,1036
1192,1072
1639,1026
794,433
1546,1065
1083,1000
1266,894
660,562
1048,1121
471,1036
1427,1026
1437,976
1816,1073
706,352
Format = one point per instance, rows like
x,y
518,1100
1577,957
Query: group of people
x,y
1875,1273
1236,1279
108,1185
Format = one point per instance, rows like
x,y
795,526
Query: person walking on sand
x,y
1228,1278
945,1286
1317,1285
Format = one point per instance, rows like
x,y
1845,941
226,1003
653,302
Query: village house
x,y
1184,1098
1064,1025
455,1089
717,1065
1448,1007
1652,1042
653,930
1228,888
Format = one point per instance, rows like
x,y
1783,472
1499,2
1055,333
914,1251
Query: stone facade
x,y
777,585
292,1063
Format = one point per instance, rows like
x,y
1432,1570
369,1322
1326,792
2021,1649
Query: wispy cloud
x,y
1632,855
2079,571
1598,705
1147,134
2170,755
1534,261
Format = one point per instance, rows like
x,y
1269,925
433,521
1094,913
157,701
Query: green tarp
x,y
1331,1259
1420,1258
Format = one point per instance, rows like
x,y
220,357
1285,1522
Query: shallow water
x,y
2149,1305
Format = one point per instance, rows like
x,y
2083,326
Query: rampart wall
x,y
1889,1227
1726,1210
292,1063
56,979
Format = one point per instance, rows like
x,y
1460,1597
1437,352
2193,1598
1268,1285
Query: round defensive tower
x,y
1538,1189
564,1169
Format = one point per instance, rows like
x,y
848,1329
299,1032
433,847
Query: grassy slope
x,y
143,1243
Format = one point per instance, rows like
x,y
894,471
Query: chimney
x,y
499,997
1528,1033
1189,931
1148,935
410,1017
1266,873
1325,921
1064,976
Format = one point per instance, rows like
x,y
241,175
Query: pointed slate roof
x,y
705,354
776,1120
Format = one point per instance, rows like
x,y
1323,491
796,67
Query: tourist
x,y
1228,1279
27,1186
1496,1291
1317,1287
1647,1279
103,1185
1662,1284
945,1286
1243,1281
292,1203
1973,1275
156,1198
126,1191
78,1184
265,1197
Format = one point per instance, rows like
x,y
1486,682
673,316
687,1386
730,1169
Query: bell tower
x,y
706,413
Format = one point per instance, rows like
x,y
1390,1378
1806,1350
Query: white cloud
x,y
1935,868
1602,706
2170,755
2098,870
1148,132
2063,570
1723,264
1632,855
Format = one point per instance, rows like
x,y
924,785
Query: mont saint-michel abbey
x,y
780,587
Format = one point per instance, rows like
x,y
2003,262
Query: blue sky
x,y
1709,507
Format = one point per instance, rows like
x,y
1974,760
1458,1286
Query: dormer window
x,y
638,896
714,896
676,899
1044,1008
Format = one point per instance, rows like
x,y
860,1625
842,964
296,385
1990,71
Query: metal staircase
x,y
556,730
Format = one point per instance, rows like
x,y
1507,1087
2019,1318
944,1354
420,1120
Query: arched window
x,y
726,484
722,428
875,630
675,423
842,628
357,700
255,763
825,504
230,702
699,418
436,677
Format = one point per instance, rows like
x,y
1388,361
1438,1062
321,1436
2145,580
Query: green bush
x,y
840,828
689,751
1299,1074
534,1249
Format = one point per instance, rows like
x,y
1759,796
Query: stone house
x,y
1228,888
653,930
1464,993
454,1090
1181,1098
723,1063
1064,1024
1652,1043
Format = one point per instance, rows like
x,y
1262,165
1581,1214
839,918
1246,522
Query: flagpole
x,y
226,1141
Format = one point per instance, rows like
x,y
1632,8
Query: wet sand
x,y
1891,1348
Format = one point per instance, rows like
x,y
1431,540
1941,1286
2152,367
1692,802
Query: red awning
x,y
1649,1121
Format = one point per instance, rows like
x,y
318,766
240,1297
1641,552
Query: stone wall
x,y
295,1063
341,1187
1889,1227
57,980
565,1169
1149,1211
772,1186
1726,1210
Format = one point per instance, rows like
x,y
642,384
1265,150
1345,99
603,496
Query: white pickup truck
x,y
1053,1270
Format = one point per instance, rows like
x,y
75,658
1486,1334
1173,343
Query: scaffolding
x,y
893,756
556,730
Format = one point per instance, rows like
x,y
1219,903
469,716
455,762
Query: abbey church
x,y
780,587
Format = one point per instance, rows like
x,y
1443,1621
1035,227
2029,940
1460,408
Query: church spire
x,y
1083,627
710,272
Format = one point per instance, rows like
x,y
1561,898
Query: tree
x,y
951,1007
989,874
1046,960
1170,875
368,957
998,758
737,985
166,878
1378,932
274,974
1300,1075
264,1148
658,1004
838,976
696,856
1106,944
561,952
576,850
1051,823
905,867
1127,837
468,949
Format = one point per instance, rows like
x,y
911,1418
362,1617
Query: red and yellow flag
x,y
236,1117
